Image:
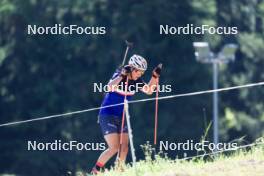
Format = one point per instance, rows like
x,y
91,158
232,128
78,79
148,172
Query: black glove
x,y
157,70
126,70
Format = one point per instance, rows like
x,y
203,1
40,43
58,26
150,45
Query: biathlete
x,y
110,118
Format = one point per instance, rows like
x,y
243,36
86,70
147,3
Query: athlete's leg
x,y
122,153
112,141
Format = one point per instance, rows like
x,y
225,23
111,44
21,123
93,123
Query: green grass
x,y
248,162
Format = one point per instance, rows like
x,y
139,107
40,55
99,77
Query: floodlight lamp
x,y
228,52
202,52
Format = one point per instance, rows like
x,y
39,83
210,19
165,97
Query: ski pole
x,y
129,45
156,112
123,115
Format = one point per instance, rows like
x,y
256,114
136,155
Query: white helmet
x,y
138,62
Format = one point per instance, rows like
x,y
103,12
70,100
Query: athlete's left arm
x,y
152,85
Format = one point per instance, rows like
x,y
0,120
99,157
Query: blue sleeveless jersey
x,y
117,97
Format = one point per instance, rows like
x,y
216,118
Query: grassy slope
x,y
241,163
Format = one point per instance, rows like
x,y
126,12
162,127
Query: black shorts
x,y
112,124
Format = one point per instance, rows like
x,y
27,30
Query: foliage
x,y
52,74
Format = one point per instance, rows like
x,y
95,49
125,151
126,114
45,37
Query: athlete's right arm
x,y
117,78
112,85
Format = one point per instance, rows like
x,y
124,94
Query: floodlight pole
x,y
204,55
215,103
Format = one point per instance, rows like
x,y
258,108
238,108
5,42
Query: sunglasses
x,y
137,70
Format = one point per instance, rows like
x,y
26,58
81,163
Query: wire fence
x,y
131,102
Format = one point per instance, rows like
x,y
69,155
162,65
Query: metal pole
x,y
215,102
130,135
